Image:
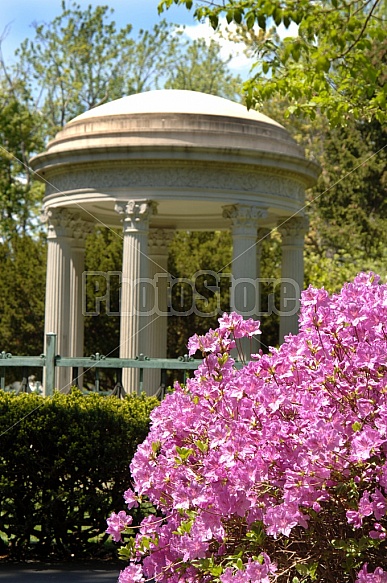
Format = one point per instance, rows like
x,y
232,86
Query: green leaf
x,y
238,16
250,20
262,21
277,16
184,527
307,570
156,446
184,452
302,569
296,51
216,570
201,445
357,426
214,21
323,63
287,21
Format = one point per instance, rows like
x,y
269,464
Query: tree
x,y
346,208
20,137
200,68
80,60
334,63
74,60
22,248
22,291
354,190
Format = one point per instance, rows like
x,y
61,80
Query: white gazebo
x,y
156,162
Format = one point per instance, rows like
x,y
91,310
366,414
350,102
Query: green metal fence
x,y
50,361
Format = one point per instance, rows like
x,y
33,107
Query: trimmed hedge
x,y
63,468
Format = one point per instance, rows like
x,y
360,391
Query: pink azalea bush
x,y
276,471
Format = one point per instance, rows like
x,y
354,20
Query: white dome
x,y
176,102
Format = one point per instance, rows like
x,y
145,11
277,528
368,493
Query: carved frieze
x,y
192,176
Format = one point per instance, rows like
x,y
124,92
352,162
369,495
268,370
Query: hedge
x,y
63,468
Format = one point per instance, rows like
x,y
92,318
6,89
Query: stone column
x,y
244,293
159,241
135,281
65,263
292,272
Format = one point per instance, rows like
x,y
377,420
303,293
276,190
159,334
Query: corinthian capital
x,y
136,214
244,215
293,229
63,222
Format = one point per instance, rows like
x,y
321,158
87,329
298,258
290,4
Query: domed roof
x,y
174,119
176,102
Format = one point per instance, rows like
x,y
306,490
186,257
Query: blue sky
x,y
18,15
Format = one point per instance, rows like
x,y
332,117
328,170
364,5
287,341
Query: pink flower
x,y
378,576
365,509
379,504
238,326
130,499
243,450
132,574
365,443
117,523
281,519
193,344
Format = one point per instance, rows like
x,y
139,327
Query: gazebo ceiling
x,y
191,152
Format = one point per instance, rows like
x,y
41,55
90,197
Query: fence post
x,y
50,364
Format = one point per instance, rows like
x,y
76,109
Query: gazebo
x,y
156,162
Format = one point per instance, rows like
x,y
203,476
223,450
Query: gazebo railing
x,y
50,361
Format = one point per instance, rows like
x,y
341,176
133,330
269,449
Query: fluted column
x,y
292,273
244,296
159,241
65,263
135,300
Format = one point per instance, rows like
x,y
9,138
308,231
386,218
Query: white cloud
x,y
283,32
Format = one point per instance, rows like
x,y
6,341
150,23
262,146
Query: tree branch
x,y
349,49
